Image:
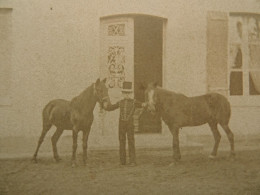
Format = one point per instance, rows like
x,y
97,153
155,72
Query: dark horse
x,y
178,110
76,115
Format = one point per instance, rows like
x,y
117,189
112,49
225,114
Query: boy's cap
x,y
127,86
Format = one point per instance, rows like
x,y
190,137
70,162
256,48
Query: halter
x,y
101,100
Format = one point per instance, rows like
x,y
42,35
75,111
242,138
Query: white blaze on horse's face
x,y
150,96
151,103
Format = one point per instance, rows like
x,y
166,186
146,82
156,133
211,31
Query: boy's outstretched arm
x,y
111,107
139,104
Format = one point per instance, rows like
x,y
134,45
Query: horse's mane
x,y
167,92
84,99
167,97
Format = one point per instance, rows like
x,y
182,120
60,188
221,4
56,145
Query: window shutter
x,y
217,52
5,55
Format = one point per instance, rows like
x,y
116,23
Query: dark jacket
x,y
127,108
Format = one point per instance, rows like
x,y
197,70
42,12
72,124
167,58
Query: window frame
x,y
246,99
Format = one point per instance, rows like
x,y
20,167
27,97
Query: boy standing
x,y
126,124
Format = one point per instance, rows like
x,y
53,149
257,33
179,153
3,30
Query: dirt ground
x,y
194,174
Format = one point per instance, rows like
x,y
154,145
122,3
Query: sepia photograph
x,y
130,97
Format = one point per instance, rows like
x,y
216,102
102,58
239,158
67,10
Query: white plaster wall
x,y
56,52
55,55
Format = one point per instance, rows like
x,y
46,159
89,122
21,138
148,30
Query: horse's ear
x,y
104,80
98,81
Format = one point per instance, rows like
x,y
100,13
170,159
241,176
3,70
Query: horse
x,y
178,110
76,115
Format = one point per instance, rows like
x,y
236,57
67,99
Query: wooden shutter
x,y
217,52
5,55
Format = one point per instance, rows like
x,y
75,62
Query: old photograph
x,y
130,97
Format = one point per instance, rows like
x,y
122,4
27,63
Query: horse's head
x,y
151,97
101,92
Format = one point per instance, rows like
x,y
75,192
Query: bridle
x,y
151,105
100,99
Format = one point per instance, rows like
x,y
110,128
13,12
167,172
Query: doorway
x,y
148,56
132,50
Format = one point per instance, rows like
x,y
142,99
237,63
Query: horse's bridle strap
x,y
95,93
104,98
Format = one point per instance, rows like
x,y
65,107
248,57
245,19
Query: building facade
x,y
55,49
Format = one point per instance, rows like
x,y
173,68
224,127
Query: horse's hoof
x,y
173,164
212,157
57,159
73,164
34,160
232,156
84,163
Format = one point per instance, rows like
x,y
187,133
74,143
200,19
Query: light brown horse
x,y
178,110
76,115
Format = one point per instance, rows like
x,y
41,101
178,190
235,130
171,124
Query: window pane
x,y
235,56
236,83
253,31
254,83
254,52
236,29
236,36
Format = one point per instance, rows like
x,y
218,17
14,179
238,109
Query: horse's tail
x,y
47,113
220,107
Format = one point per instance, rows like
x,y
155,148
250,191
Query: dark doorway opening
x,y
148,55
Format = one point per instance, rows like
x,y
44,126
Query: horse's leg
x,y
85,139
230,136
75,145
45,129
217,137
54,141
175,143
85,144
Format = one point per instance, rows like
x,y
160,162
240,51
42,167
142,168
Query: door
x,y
116,63
117,53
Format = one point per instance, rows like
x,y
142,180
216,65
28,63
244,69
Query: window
x,y
244,55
